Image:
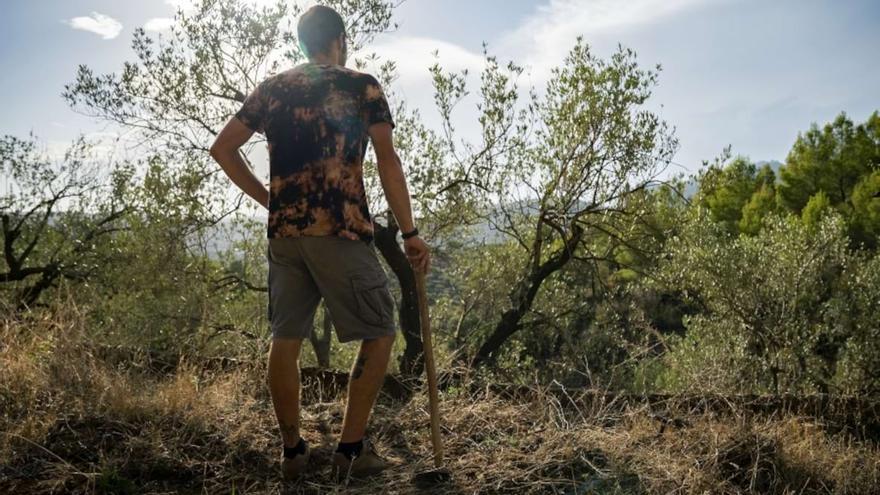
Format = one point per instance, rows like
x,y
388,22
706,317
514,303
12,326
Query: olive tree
x,y
766,319
552,172
857,309
55,216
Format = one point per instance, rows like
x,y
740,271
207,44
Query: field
x,y
77,418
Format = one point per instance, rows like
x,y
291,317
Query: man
x,y
317,118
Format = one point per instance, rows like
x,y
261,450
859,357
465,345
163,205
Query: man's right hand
x,y
418,253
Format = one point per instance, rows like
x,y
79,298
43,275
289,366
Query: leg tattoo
x,y
358,367
289,430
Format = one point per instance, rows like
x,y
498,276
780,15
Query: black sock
x,y
351,449
291,452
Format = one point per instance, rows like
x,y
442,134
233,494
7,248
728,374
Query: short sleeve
x,y
376,106
253,111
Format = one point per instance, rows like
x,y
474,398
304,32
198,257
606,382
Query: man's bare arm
x,y
391,175
394,184
226,151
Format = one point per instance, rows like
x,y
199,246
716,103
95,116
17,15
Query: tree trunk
x,y
523,295
28,296
411,361
321,343
507,326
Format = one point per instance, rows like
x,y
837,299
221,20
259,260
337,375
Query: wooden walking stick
x,y
438,474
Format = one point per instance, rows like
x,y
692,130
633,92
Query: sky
x,y
746,73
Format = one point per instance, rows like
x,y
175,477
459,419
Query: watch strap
x,y
406,235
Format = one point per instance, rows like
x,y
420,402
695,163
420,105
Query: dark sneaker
x,y
292,469
368,463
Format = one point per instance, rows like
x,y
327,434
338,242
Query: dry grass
x,y
72,423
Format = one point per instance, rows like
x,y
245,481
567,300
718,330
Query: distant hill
x,y
222,235
775,165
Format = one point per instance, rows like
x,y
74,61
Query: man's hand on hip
x,y
418,253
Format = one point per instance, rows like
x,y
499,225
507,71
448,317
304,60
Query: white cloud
x,y
413,56
105,145
542,41
100,24
596,15
158,24
539,43
180,4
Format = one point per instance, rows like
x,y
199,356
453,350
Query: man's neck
x,y
324,59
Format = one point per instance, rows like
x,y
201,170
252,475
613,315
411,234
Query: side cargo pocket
x,y
374,301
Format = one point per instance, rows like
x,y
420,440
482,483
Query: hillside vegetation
x,y
77,420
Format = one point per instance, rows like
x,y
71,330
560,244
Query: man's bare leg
x,y
367,376
284,386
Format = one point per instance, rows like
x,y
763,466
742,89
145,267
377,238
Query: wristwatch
x,y
406,235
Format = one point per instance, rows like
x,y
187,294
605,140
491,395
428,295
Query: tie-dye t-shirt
x,y
315,119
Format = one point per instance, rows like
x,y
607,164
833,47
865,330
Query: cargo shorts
x,y
345,273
